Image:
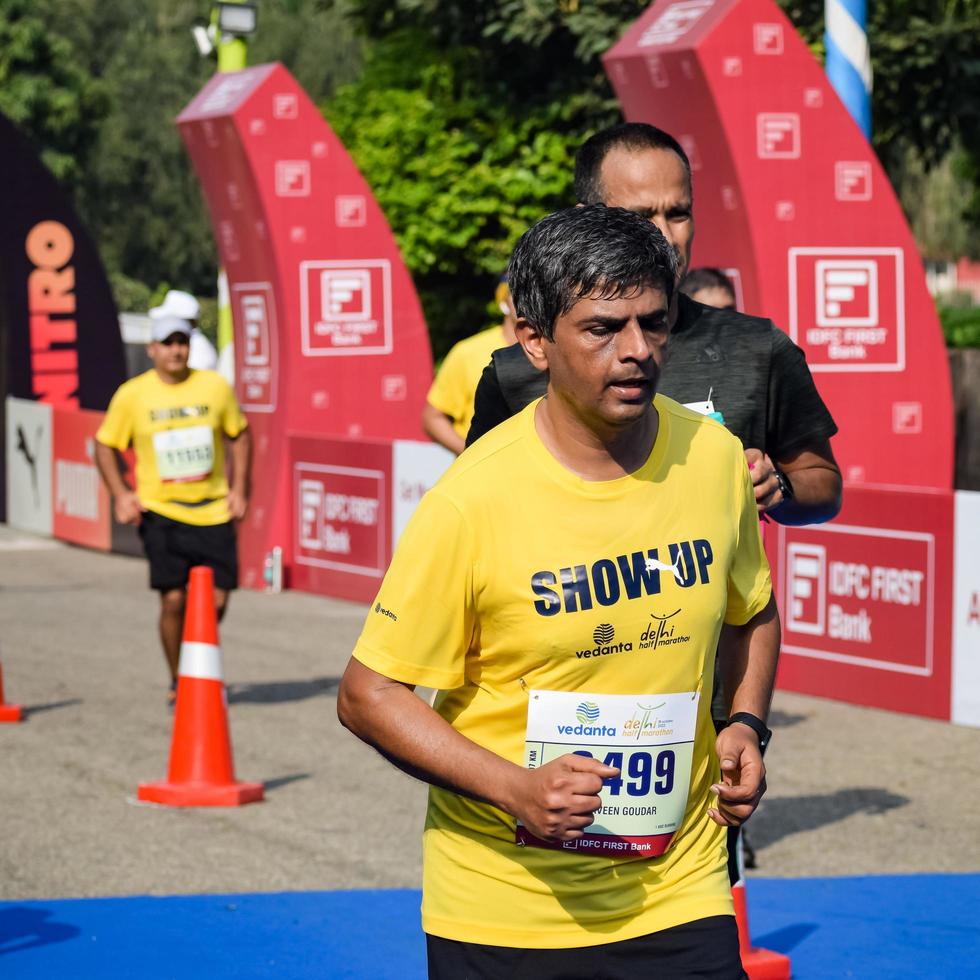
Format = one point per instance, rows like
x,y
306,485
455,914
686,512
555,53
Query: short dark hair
x,y
705,278
628,136
586,251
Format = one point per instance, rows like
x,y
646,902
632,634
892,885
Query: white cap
x,y
162,326
177,303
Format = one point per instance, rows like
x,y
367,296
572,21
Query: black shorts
x,y
173,548
706,948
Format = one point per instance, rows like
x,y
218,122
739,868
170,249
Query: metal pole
x,y
849,59
232,56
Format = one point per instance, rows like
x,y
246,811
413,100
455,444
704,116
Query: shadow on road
x,y
279,781
36,709
784,719
782,816
23,928
276,692
785,940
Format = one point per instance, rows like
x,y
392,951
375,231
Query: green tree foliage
x,y
465,123
459,175
97,84
46,89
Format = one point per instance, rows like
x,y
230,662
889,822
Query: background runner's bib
x,y
184,455
648,737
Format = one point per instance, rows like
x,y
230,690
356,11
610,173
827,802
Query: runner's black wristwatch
x,y
756,724
785,487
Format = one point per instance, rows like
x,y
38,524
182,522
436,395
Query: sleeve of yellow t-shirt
x,y
116,429
749,585
233,421
422,623
448,392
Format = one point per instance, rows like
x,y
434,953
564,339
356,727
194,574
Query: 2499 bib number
x,y
641,767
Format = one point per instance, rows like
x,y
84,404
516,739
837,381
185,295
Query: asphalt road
x,y
852,790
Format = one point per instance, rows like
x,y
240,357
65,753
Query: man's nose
x,y
633,343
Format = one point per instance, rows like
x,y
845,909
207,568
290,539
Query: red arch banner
x,y
792,202
329,335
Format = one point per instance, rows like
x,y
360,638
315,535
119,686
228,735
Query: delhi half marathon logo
x,y
603,636
645,722
587,712
662,632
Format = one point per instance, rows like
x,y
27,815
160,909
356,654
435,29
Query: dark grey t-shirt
x,y
756,376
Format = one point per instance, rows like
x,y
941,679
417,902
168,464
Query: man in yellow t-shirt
x,y
177,420
449,405
565,587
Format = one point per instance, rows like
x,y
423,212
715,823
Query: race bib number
x,y
648,738
184,455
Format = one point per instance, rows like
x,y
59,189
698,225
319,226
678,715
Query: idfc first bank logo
x,y
859,595
341,519
847,307
346,307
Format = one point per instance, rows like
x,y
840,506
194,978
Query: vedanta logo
x,y
381,611
603,635
587,712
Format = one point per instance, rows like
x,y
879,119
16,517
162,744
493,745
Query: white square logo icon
x,y
675,22
806,598
351,210
852,180
785,211
293,178
731,67
767,38
285,105
778,135
394,388
847,292
907,418
345,296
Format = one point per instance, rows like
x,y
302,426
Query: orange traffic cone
x,y
758,963
8,712
201,771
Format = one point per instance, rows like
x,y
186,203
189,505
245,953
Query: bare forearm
x,y
749,655
241,463
439,428
403,728
816,496
108,466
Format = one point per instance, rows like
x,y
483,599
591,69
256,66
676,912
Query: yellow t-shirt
x,y
454,387
176,431
515,575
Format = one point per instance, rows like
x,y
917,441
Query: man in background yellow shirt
x,y
565,587
177,420
449,405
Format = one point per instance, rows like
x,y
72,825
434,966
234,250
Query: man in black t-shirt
x,y
749,371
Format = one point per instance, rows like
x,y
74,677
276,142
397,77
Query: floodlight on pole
x,y
238,19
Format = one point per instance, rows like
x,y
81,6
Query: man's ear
x,y
534,344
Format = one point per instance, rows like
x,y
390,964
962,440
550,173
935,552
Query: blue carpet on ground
x,y
923,926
